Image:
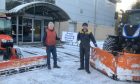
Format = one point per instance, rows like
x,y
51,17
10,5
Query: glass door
x,y
27,30
37,31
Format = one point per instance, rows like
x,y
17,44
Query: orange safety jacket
x,y
50,37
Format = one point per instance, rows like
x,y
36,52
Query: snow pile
x,y
68,59
28,51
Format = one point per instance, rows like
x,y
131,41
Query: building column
x,y
59,29
95,17
42,30
17,32
22,28
33,29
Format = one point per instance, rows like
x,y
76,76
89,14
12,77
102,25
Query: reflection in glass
x,y
27,30
37,32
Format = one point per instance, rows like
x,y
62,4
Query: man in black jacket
x,y
84,37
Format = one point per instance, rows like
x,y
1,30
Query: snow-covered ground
x,y
68,59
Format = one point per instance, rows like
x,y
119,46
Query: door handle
x,y
32,29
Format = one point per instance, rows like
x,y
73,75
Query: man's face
x,y
51,26
85,27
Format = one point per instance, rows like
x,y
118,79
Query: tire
x,y
7,54
111,43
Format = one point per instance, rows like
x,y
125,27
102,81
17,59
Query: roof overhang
x,y
41,8
133,11
115,1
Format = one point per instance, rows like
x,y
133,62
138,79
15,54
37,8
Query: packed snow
x,y
68,59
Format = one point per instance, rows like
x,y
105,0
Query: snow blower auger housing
x,y
11,60
120,56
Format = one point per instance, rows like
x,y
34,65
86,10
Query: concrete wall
x,y
105,13
84,11
2,5
78,10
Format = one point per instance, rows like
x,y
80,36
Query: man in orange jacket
x,y
50,38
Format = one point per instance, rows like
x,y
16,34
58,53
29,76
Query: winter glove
x,y
79,42
95,45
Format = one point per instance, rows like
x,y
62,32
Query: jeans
x,y
49,50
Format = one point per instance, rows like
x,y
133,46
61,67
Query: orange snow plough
x,y
120,56
121,66
11,59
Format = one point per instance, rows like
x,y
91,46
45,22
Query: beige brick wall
x,y
101,32
63,27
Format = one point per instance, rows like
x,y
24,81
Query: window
x,y
5,26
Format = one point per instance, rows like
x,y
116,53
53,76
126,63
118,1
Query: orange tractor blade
x,y
124,66
21,65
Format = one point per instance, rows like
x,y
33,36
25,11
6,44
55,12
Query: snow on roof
x,y
60,14
20,7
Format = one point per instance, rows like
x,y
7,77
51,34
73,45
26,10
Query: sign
x,y
69,36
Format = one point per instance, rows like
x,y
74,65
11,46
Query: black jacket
x,y
86,37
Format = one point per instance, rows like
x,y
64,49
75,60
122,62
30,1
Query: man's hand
x,y
79,42
95,45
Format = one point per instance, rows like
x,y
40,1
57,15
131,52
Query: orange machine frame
x,y
124,66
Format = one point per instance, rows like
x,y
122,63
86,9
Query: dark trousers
x,y
84,56
49,50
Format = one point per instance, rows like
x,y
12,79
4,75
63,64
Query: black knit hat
x,y
85,24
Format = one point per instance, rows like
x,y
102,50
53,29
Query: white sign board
x,y
69,36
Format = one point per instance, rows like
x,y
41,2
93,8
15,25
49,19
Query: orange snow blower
x,y
120,56
11,59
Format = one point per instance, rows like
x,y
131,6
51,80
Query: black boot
x,y
80,68
88,71
56,66
49,67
